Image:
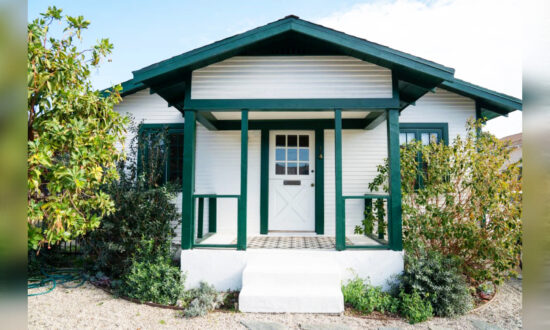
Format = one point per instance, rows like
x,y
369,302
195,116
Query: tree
x,y
468,202
73,133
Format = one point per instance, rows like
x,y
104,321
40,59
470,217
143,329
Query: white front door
x,y
292,180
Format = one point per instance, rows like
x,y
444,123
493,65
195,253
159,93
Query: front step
x,y
291,283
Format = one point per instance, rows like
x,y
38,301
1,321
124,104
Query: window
x,y
291,154
161,152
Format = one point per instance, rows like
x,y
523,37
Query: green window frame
x,y
172,150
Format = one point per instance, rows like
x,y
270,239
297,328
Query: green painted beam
x,y
207,120
394,202
200,225
215,196
374,120
212,215
188,184
339,201
264,182
283,124
241,226
319,181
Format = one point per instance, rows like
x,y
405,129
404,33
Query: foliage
x,y
152,277
414,308
201,300
468,205
368,223
365,298
144,211
72,133
436,279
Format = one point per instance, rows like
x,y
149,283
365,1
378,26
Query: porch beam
x,y
207,120
373,119
394,202
241,226
309,124
292,104
339,201
188,184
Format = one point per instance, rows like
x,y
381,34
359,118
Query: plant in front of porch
x,y
462,200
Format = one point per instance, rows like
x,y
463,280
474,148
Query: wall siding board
x,y
293,77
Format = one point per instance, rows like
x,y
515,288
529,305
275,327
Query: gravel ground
x,y
88,307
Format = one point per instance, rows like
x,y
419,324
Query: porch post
x,y
241,226
188,185
339,202
394,181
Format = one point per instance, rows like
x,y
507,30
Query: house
x,y
515,144
275,136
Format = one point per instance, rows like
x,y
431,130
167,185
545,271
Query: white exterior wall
x,y
441,107
292,77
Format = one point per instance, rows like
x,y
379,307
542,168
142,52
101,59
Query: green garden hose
x,y
56,276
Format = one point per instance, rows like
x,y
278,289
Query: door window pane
x,y
304,168
304,154
292,140
292,168
280,168
280,141
292,154
304,140
279,154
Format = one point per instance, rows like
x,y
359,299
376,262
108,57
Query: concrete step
x,y
291,284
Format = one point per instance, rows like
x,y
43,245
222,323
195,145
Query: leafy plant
x,y
152,278
468,206
436,279
366,298
414,308
72,133
202,300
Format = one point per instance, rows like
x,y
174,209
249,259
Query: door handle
x,y
313,184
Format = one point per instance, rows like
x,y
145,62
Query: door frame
x,y
319,176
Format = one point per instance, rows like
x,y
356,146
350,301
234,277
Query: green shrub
x,y
436,279
467,205
365,298
201,300
414,308
152,278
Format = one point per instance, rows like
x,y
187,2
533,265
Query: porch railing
x,y
381,243
212,219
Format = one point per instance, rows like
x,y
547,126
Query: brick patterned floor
x,y
292,242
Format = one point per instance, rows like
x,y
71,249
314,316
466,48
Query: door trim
x,y
319,179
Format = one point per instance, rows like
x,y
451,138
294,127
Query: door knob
x,y
313,184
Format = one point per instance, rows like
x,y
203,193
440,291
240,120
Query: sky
x,y
479,38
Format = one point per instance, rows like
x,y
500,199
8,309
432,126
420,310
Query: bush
x,y
152,278
202,300
464,201
436,279
414,308
366,298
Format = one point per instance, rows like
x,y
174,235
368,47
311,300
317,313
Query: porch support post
x,y
241,226
339,202
394,181
188,185
264,182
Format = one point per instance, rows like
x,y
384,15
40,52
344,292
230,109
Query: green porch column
x,y
188,185
339,202
241,226
394,181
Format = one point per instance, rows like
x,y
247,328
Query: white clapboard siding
x,y
362,152
217,171
441,107
293,77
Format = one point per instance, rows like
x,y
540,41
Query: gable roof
x,y
416,75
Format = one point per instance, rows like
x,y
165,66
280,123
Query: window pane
x,y
292,168
292,154
304,140
304,154
175,163
433,138
292,140
304,168
280,140
402,138
279,154
410,137
425,137
279,168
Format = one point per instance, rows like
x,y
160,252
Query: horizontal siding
x,y
272,77
441,107
362,152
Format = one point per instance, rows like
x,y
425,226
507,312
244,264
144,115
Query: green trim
x,y
264,182
188,184
215,196
319,181
418,128
373,119
207,120
468,89
339,201
221,246
200,225
241,226
291,104
285,124
212,215
366,196
394,182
